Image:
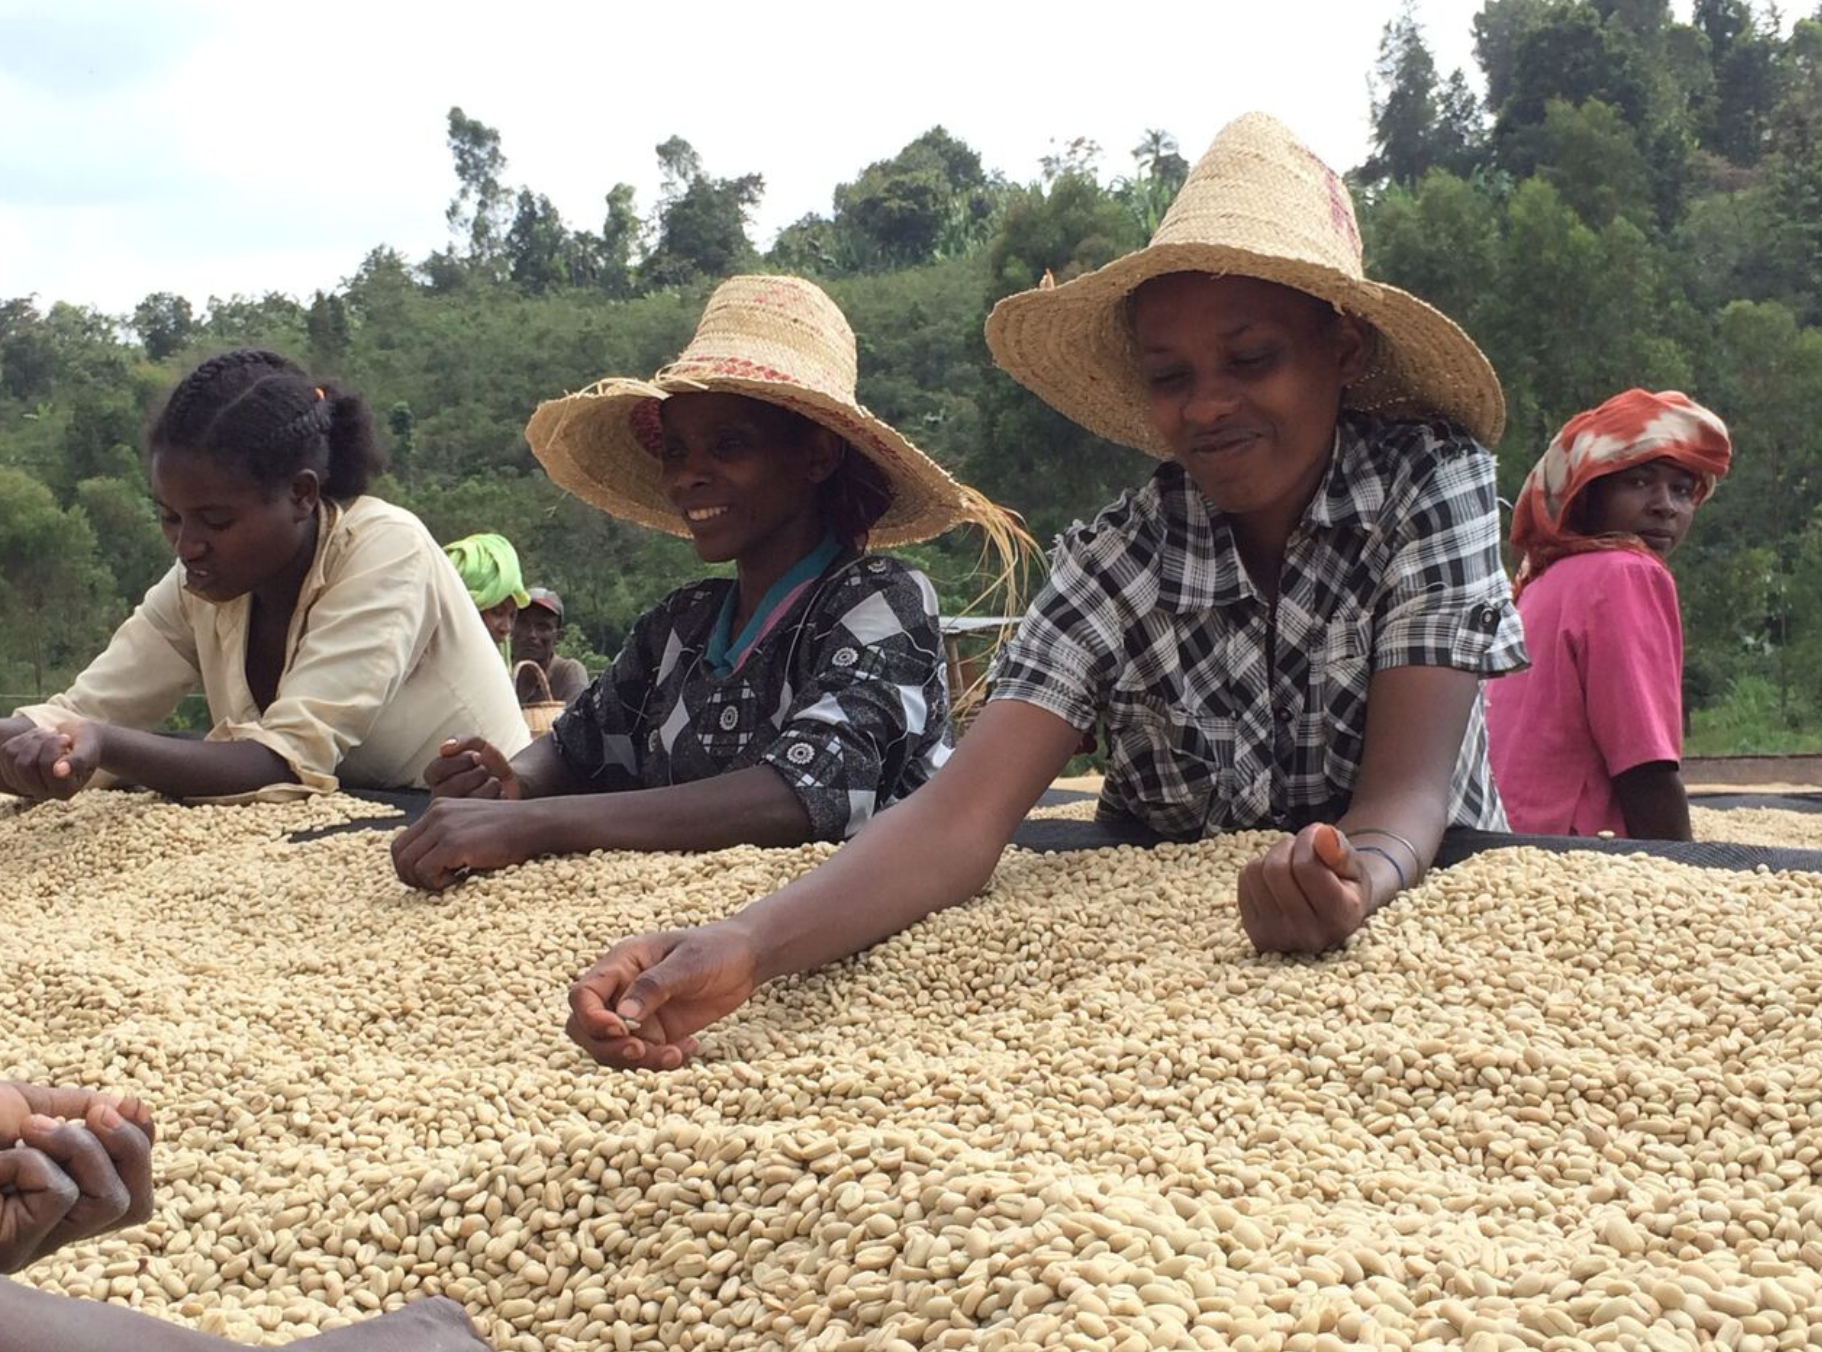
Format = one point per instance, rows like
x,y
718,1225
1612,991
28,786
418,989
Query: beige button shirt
x,y
386,657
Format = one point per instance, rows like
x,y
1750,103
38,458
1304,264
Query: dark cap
x,y
544,596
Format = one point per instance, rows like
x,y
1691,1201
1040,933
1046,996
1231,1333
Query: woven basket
x,y
539,714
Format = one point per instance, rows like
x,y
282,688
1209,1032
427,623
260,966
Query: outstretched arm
x,y
936,848
59,762
33,1321
746,807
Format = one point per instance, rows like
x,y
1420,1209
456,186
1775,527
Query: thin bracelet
x,y
1416,858
1387,856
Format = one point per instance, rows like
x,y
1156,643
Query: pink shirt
x,y
1604,692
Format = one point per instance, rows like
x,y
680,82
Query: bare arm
x,y
59,762
1416,719
1654,802
935,849
34,1321
184,768
1292,899
458,835
746,807
971,808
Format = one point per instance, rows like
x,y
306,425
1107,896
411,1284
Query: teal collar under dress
x,y
724,656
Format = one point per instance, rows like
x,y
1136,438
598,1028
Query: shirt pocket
x,y
1347,671
1171,764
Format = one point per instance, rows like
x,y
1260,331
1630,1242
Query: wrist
x,y
766,957
1381,876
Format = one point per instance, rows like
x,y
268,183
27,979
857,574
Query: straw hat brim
x,y
588,445
1070,344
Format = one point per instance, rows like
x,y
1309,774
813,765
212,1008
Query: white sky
x,y
218,148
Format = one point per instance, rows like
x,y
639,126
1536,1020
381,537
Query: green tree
x,y
99,437
165,323
1419,121
326,324
1500,29
606,261
479,213
1566,53
59,619
1744,56
901,206
701,220
28,356
540,252
128,540
1591,157
1161,173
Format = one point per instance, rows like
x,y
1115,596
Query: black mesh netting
x,y
1457,845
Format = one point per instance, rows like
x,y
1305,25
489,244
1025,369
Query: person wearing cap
x,y
535,631
76,1164
1286,627
788,703
1590,738
489,567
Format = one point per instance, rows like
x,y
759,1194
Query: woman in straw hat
x,y
786,705
1286,627
1590,739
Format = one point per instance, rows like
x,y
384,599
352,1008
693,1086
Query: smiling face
x,y
231,535
1654,501
1244,381
743,475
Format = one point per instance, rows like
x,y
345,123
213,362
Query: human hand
x,y
1306,894
457,836
471,767
79,1165
642,1003
54,762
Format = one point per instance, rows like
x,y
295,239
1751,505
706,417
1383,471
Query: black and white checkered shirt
x,y
1151,627
846,697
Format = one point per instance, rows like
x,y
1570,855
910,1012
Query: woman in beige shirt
x,y
331,636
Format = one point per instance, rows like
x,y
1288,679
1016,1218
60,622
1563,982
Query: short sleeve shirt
x,y
1604,694
1223,710
845,697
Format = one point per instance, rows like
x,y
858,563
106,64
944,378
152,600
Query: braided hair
x,y
263,413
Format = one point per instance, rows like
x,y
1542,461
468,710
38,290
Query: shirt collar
x,y
1199,563
1352,491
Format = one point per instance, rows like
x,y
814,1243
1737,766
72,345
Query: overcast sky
x,y
213,148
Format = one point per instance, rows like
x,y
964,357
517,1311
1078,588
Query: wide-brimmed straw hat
x,y
777,339
1258,204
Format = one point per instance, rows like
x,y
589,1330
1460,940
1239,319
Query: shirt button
x,y
1283,714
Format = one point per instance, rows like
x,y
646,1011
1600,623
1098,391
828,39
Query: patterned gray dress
x,y
846,697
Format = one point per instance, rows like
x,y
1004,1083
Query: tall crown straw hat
x,y
1258,204
776,339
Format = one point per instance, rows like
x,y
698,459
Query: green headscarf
x,y
489,567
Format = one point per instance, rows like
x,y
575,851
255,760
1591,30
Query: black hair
x,y
265,414
851,499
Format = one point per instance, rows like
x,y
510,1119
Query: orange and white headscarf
x,y
1629,429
